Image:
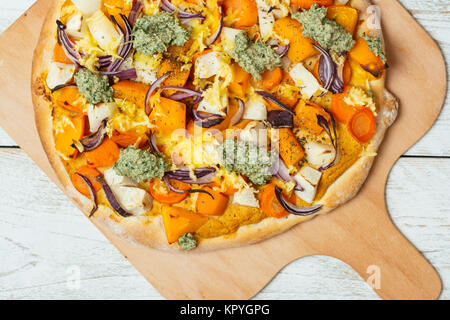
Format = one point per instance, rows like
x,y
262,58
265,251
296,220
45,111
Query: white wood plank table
x,y
45,242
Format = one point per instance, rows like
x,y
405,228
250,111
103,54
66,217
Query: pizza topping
x,y
60,74
254,57
307,180
294,209
187,242
246,158
375,46
92,191
328,33
140,165
280,119
94,86
154,34
88,7
111,197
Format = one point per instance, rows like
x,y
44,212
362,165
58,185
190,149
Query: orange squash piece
x,y
300,46
289,148
70,99
368,60
245,12
306,4
306,116
132,91
105,155
59,55
346,16
269,203
241,80
168,115
72,130
178,221
209,206
80,184
159,190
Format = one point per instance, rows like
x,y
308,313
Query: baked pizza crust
x,y
149,231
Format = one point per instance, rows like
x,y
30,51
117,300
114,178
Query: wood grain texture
x,y
312,267
44,236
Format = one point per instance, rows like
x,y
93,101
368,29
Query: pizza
x,y
205,124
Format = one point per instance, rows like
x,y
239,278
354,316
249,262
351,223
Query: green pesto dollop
x,y
94,86
187,242
254,162
328,33
375,46
154,34
140,165
254,57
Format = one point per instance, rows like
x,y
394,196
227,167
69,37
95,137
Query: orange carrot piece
x,y
72,130
178,221
290,149
269,203
346,72
340,110
300,46
71,99
362,125
105,155
368,60
245,11
159,190
80,184
132,91
209,206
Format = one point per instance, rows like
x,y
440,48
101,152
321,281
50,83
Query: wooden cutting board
x,y
360,233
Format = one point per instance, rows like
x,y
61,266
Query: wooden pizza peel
x,y
359,233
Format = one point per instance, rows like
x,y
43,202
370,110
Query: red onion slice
x,y
152,88
125,46
282,50
61,86
67,45
239,114
204,175
122,75
206,120
93,141
271,98
327,69
92,193
280,119
211,40
283,172
183,93
135,11
112,198
167,6
171,187
153,143
321,121
292,208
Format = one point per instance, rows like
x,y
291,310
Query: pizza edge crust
x,y
149,231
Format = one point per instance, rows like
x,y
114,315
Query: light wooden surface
x,y
36,263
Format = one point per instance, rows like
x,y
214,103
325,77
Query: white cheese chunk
x,y
319,154
265,19
246,197
59,73
208,65
305,80
96,114
88,7
228,36
102,29
255,108
74,26
134,200
115,180
308,178
144,73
